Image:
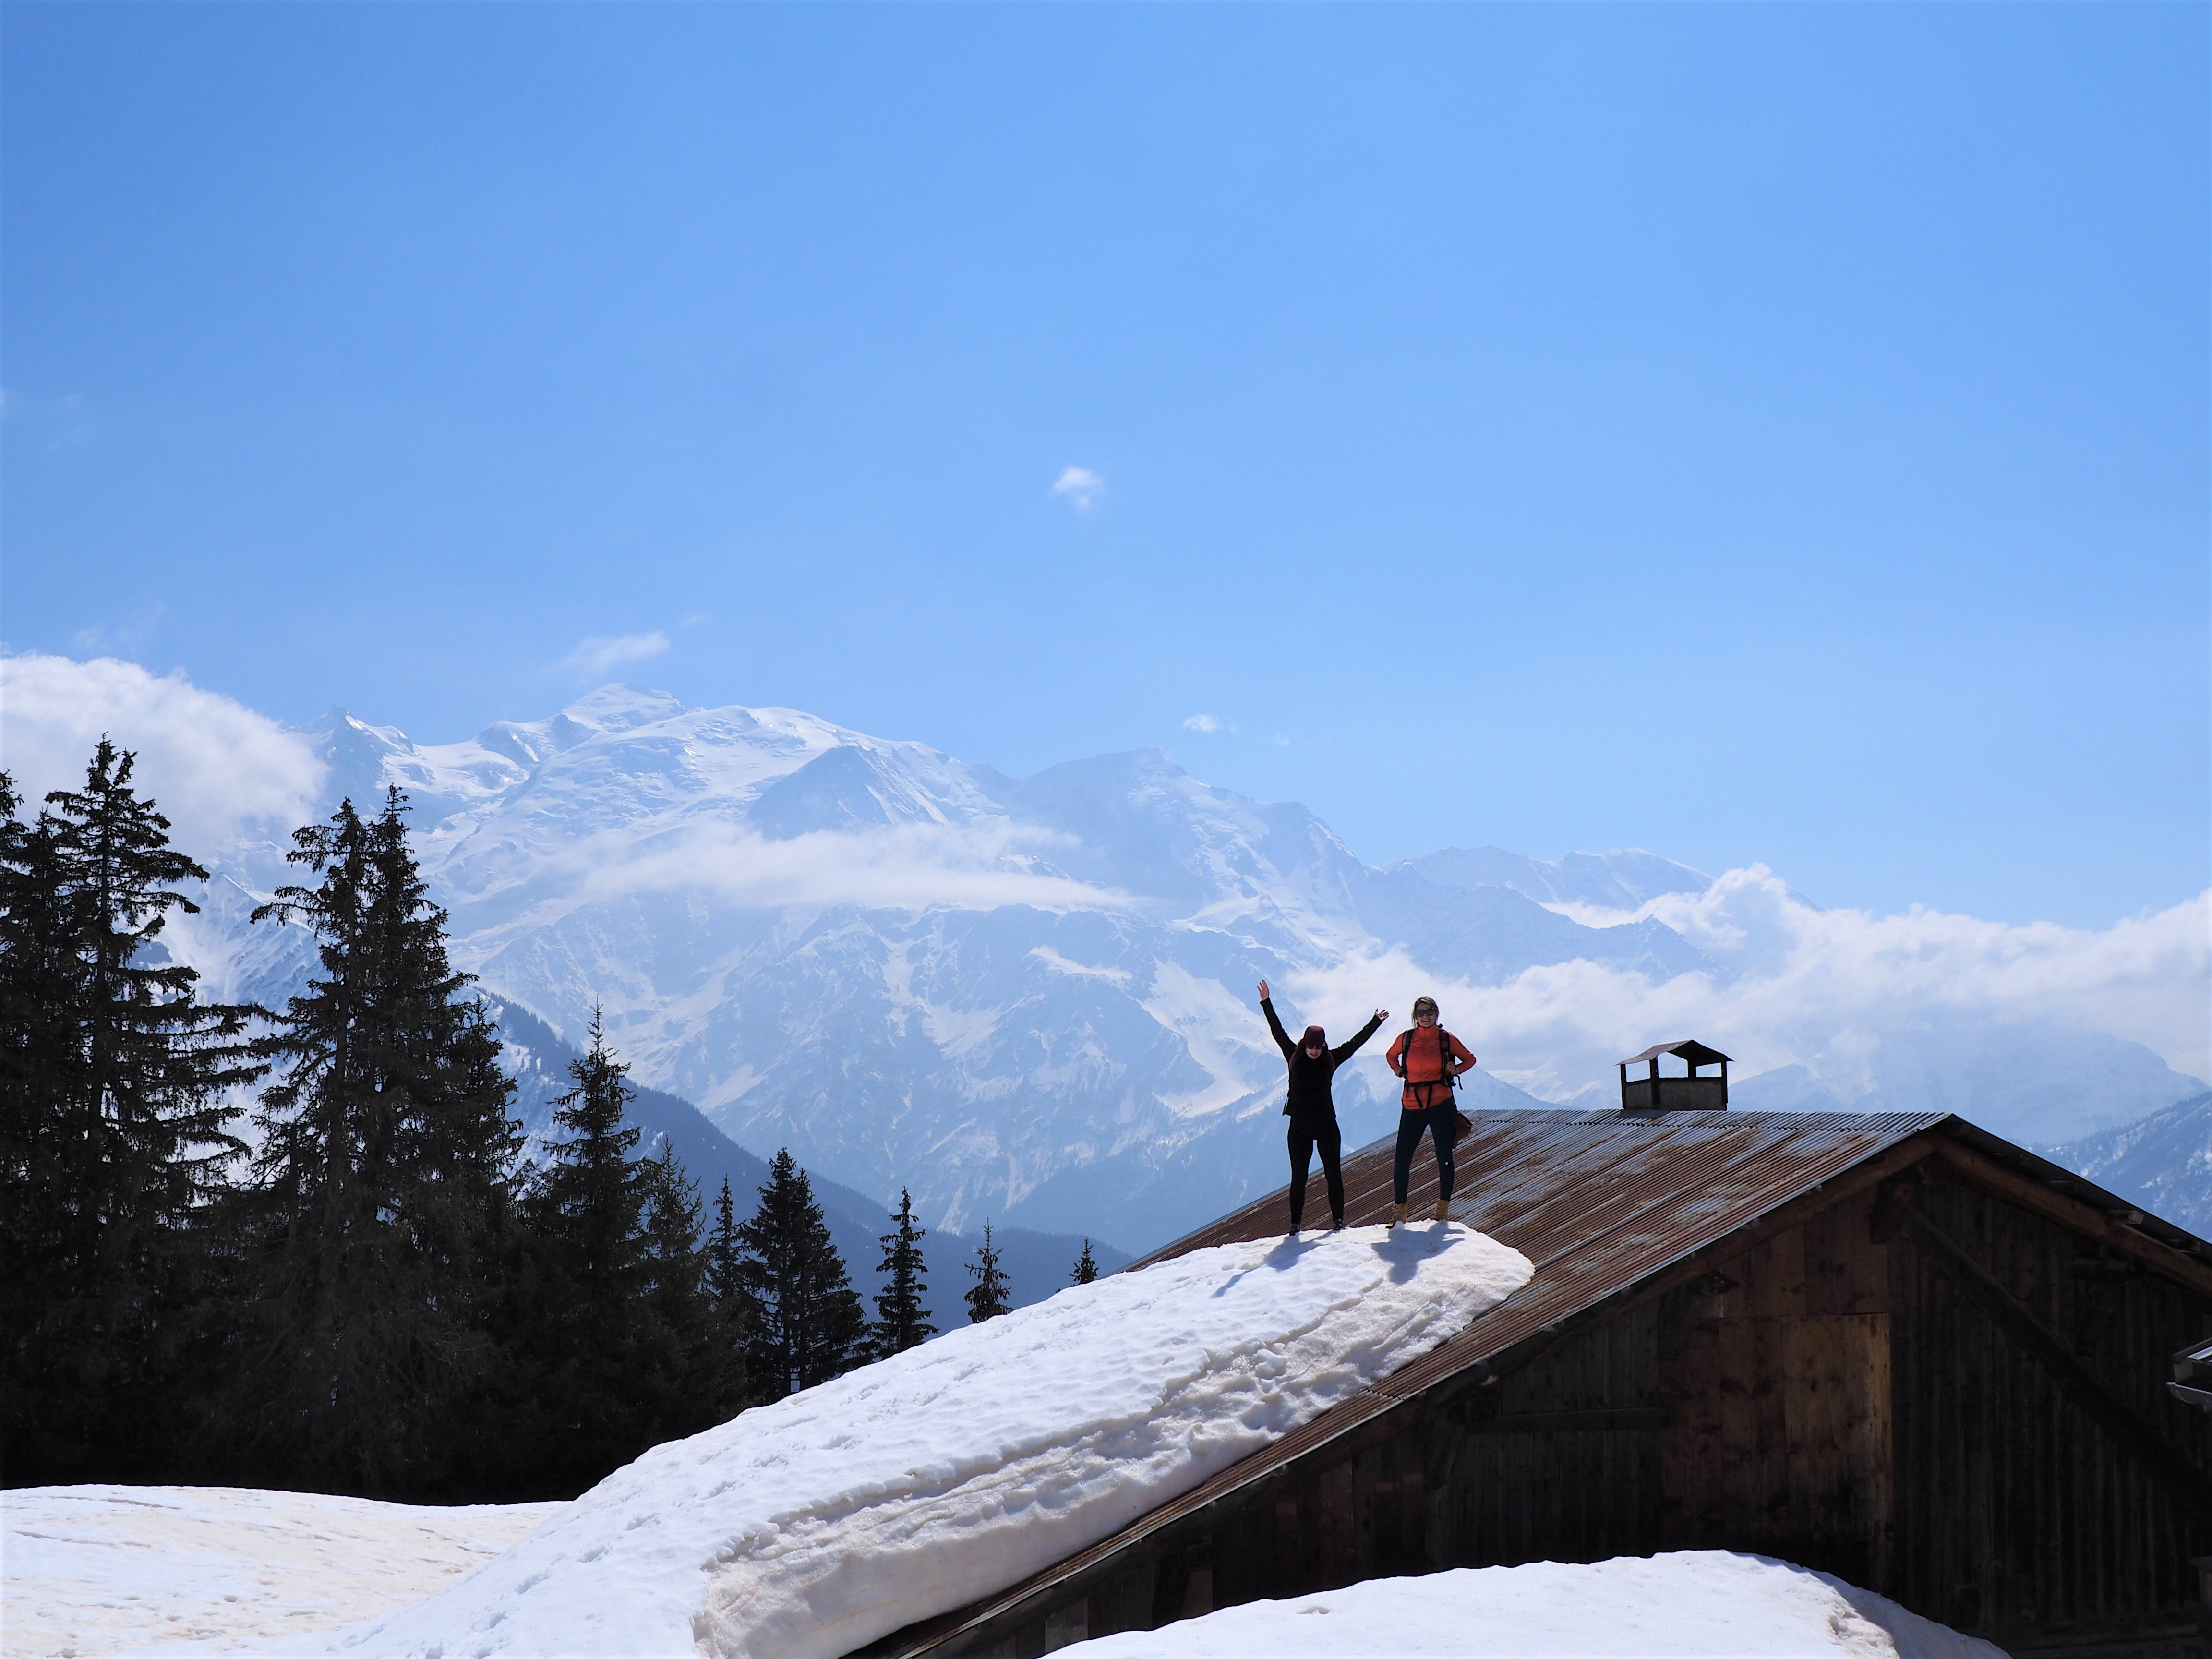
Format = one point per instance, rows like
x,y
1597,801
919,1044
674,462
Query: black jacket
x,y
1309,1078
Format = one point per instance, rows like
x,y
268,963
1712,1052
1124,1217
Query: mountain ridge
x,y
1026,999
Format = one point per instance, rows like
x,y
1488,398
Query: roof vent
x,y
1686,1093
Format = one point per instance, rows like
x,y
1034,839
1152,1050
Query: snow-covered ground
x,y
1703,1602
101,1569
907,1488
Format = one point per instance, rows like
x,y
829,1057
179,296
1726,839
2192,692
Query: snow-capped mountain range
x,y
1027,999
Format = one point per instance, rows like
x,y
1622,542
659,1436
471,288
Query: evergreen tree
x,y
701,1376
40,1064
382,1183
725,1282
902,1321
807,1324
724,1254
588,1342
113,1130
986,1297
1086,1270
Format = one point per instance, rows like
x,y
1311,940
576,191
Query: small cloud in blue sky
x,y
126,638
597,656
1203,723
1080,485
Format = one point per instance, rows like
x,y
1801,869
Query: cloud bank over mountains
x,y
1031,999
217,768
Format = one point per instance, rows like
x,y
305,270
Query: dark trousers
x,y
1306,1134
1437,1121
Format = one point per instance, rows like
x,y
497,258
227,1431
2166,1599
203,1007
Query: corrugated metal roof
x,y
1558,1185
1597,1201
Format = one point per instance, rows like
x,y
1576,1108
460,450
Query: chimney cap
x,y
1688,1048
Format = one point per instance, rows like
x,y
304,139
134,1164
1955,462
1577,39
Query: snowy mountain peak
x,y
1026,1001
616,708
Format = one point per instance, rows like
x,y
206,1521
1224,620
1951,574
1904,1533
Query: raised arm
x,y
1344,1051
1282,1038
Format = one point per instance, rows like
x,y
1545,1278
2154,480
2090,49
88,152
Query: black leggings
x,y
1306,1134
1437,1121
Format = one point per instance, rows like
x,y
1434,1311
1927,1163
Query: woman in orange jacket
x,y
1428,1060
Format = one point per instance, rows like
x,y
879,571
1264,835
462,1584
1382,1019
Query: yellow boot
x,y
1443,1210
1397,1215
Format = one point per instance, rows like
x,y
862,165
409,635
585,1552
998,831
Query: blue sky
x,y
1752,433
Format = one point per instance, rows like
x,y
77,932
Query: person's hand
x,y
1263,991
1382,1014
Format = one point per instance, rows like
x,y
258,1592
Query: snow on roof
x,y
1704,1602
912,1487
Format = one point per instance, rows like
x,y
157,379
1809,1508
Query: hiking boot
x,y
1442,1212
1397,1215
1336,1224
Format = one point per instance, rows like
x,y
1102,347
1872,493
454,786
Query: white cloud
x,y
1824,988
911,866
1202,723
1080,485
597,656
213,766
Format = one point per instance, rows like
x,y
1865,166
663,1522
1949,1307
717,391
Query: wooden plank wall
x,y
1560,1461
1776,1367
2016,1515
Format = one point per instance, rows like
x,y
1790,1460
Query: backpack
x,y
1444,1039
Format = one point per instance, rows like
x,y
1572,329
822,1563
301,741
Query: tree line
x,y
371,1290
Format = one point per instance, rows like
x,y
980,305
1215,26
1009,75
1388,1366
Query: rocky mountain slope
x,y
2162,1162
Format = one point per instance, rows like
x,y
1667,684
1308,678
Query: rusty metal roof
x,y
1605,1197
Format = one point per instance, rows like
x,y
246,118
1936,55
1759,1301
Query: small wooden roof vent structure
x,y
1690,1093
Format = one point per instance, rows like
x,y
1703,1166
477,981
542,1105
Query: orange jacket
x,y
1417,1056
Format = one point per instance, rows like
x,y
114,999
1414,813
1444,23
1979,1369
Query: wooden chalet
x,y
1892,1347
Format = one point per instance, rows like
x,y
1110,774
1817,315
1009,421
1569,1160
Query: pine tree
x,y
40,1070
586,1345
902,1320
725,1253
734,1305
1086,1270
807,1326
986,1297
113,1078
701,1379
382,1183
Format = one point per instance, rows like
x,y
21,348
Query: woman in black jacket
x,y
1311,1109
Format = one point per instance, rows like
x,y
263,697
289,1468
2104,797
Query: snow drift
x,y
912,1487
103,1570
1703,1602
